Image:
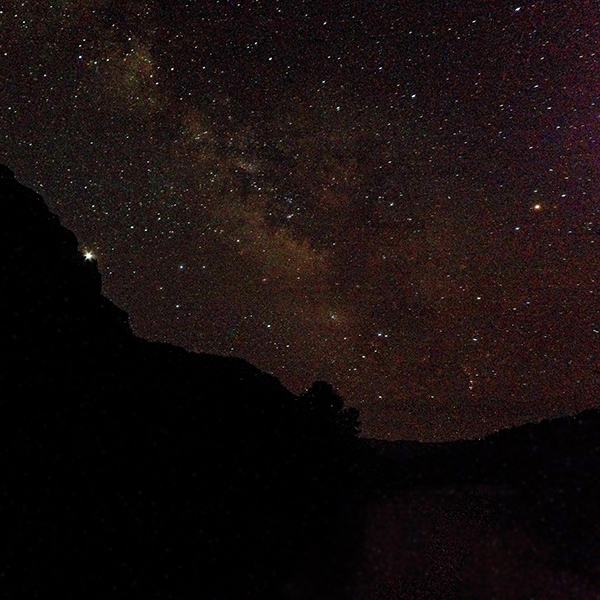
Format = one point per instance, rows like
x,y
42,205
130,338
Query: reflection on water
x,y
469,542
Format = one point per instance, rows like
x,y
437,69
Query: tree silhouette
x,y
327,405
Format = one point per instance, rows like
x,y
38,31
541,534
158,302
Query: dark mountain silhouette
x,y
131,469
555,450
134,469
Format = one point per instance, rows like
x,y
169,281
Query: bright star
x,y
88,256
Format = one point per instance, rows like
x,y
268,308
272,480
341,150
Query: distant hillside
x,y
561,449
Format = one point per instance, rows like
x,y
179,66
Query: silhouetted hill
x,y
557,450
131,469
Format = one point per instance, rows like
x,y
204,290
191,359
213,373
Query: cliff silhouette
x,y
135,469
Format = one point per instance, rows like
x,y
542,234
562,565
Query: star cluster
x,y
399,198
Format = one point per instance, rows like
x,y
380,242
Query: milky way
x,y
398,198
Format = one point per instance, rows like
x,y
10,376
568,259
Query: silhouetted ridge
x,y
136,469
554,449
49,285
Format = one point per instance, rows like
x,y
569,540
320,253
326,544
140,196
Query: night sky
x,y
400,198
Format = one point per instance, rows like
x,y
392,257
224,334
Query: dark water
x,y
464,543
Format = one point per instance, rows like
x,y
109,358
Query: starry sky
x,y
400,198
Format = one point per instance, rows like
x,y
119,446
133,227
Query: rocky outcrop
x,y
131,469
